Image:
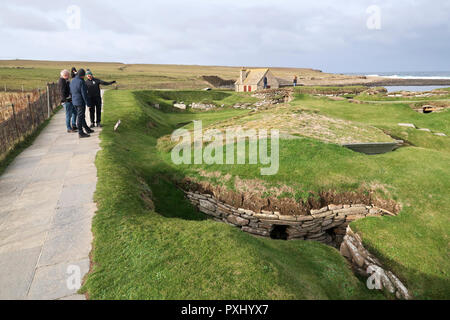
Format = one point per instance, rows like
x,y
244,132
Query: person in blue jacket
x,y
80,99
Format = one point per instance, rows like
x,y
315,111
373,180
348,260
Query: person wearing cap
x,y
80,99
94,94
66,101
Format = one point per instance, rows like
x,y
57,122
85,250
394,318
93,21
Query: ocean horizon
x,y
410,74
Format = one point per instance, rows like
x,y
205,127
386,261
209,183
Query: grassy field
x,y
151,244
414,244
35,74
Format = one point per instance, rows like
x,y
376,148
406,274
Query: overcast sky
x,y
410,35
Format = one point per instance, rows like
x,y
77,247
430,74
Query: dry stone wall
x,y
367,265
327,225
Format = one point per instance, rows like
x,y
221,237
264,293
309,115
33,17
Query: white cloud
x,y
324,34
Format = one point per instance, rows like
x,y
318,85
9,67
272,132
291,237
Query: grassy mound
x,y
151,244
298,121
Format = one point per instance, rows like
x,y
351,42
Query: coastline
x,y
369,81
382,82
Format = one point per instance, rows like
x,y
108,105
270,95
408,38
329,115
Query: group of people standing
x,y
76,95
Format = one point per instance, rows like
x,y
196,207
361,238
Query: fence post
x,y
48,101
31,111
22,88
15,121
42,105
5,87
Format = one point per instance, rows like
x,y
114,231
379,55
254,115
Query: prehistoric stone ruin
x,y
328,225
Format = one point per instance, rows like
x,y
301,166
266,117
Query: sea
x,y
412,75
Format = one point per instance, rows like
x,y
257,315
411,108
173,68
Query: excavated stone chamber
x,y
327,225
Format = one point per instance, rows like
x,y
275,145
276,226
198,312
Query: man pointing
x,y
93,87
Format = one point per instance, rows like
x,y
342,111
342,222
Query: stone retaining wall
x,y
364,263
327,225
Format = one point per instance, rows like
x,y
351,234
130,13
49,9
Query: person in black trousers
x,y
80,99
93,88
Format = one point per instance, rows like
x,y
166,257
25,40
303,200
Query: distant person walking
x,y
66,101
265,82
295,81
94,95
80,100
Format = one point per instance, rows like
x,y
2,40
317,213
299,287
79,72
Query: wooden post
x,y
15,121
5,87
31,112
48,101
22,89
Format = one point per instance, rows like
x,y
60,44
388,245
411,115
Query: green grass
x,y
414,245
174,252
330,89
387,117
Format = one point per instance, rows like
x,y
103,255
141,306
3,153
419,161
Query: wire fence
x,y
22,113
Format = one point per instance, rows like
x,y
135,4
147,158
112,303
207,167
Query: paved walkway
x,y
46,210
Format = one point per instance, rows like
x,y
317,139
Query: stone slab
x,y
57,281
17,271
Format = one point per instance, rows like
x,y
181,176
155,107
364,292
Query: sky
x,y
358,36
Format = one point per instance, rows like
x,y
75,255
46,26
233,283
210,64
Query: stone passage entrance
x,y
279,232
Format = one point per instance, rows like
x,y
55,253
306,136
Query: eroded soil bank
x,y
252,200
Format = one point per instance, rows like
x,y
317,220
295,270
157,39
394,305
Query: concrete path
x,y
46,210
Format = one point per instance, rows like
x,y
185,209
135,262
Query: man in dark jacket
x,y
73,72
66,101
80,100
94,94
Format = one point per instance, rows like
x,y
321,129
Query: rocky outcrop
x,y
194,105
181,106
367,265
202,106
273,96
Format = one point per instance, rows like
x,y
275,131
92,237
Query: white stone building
x,y
253,80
